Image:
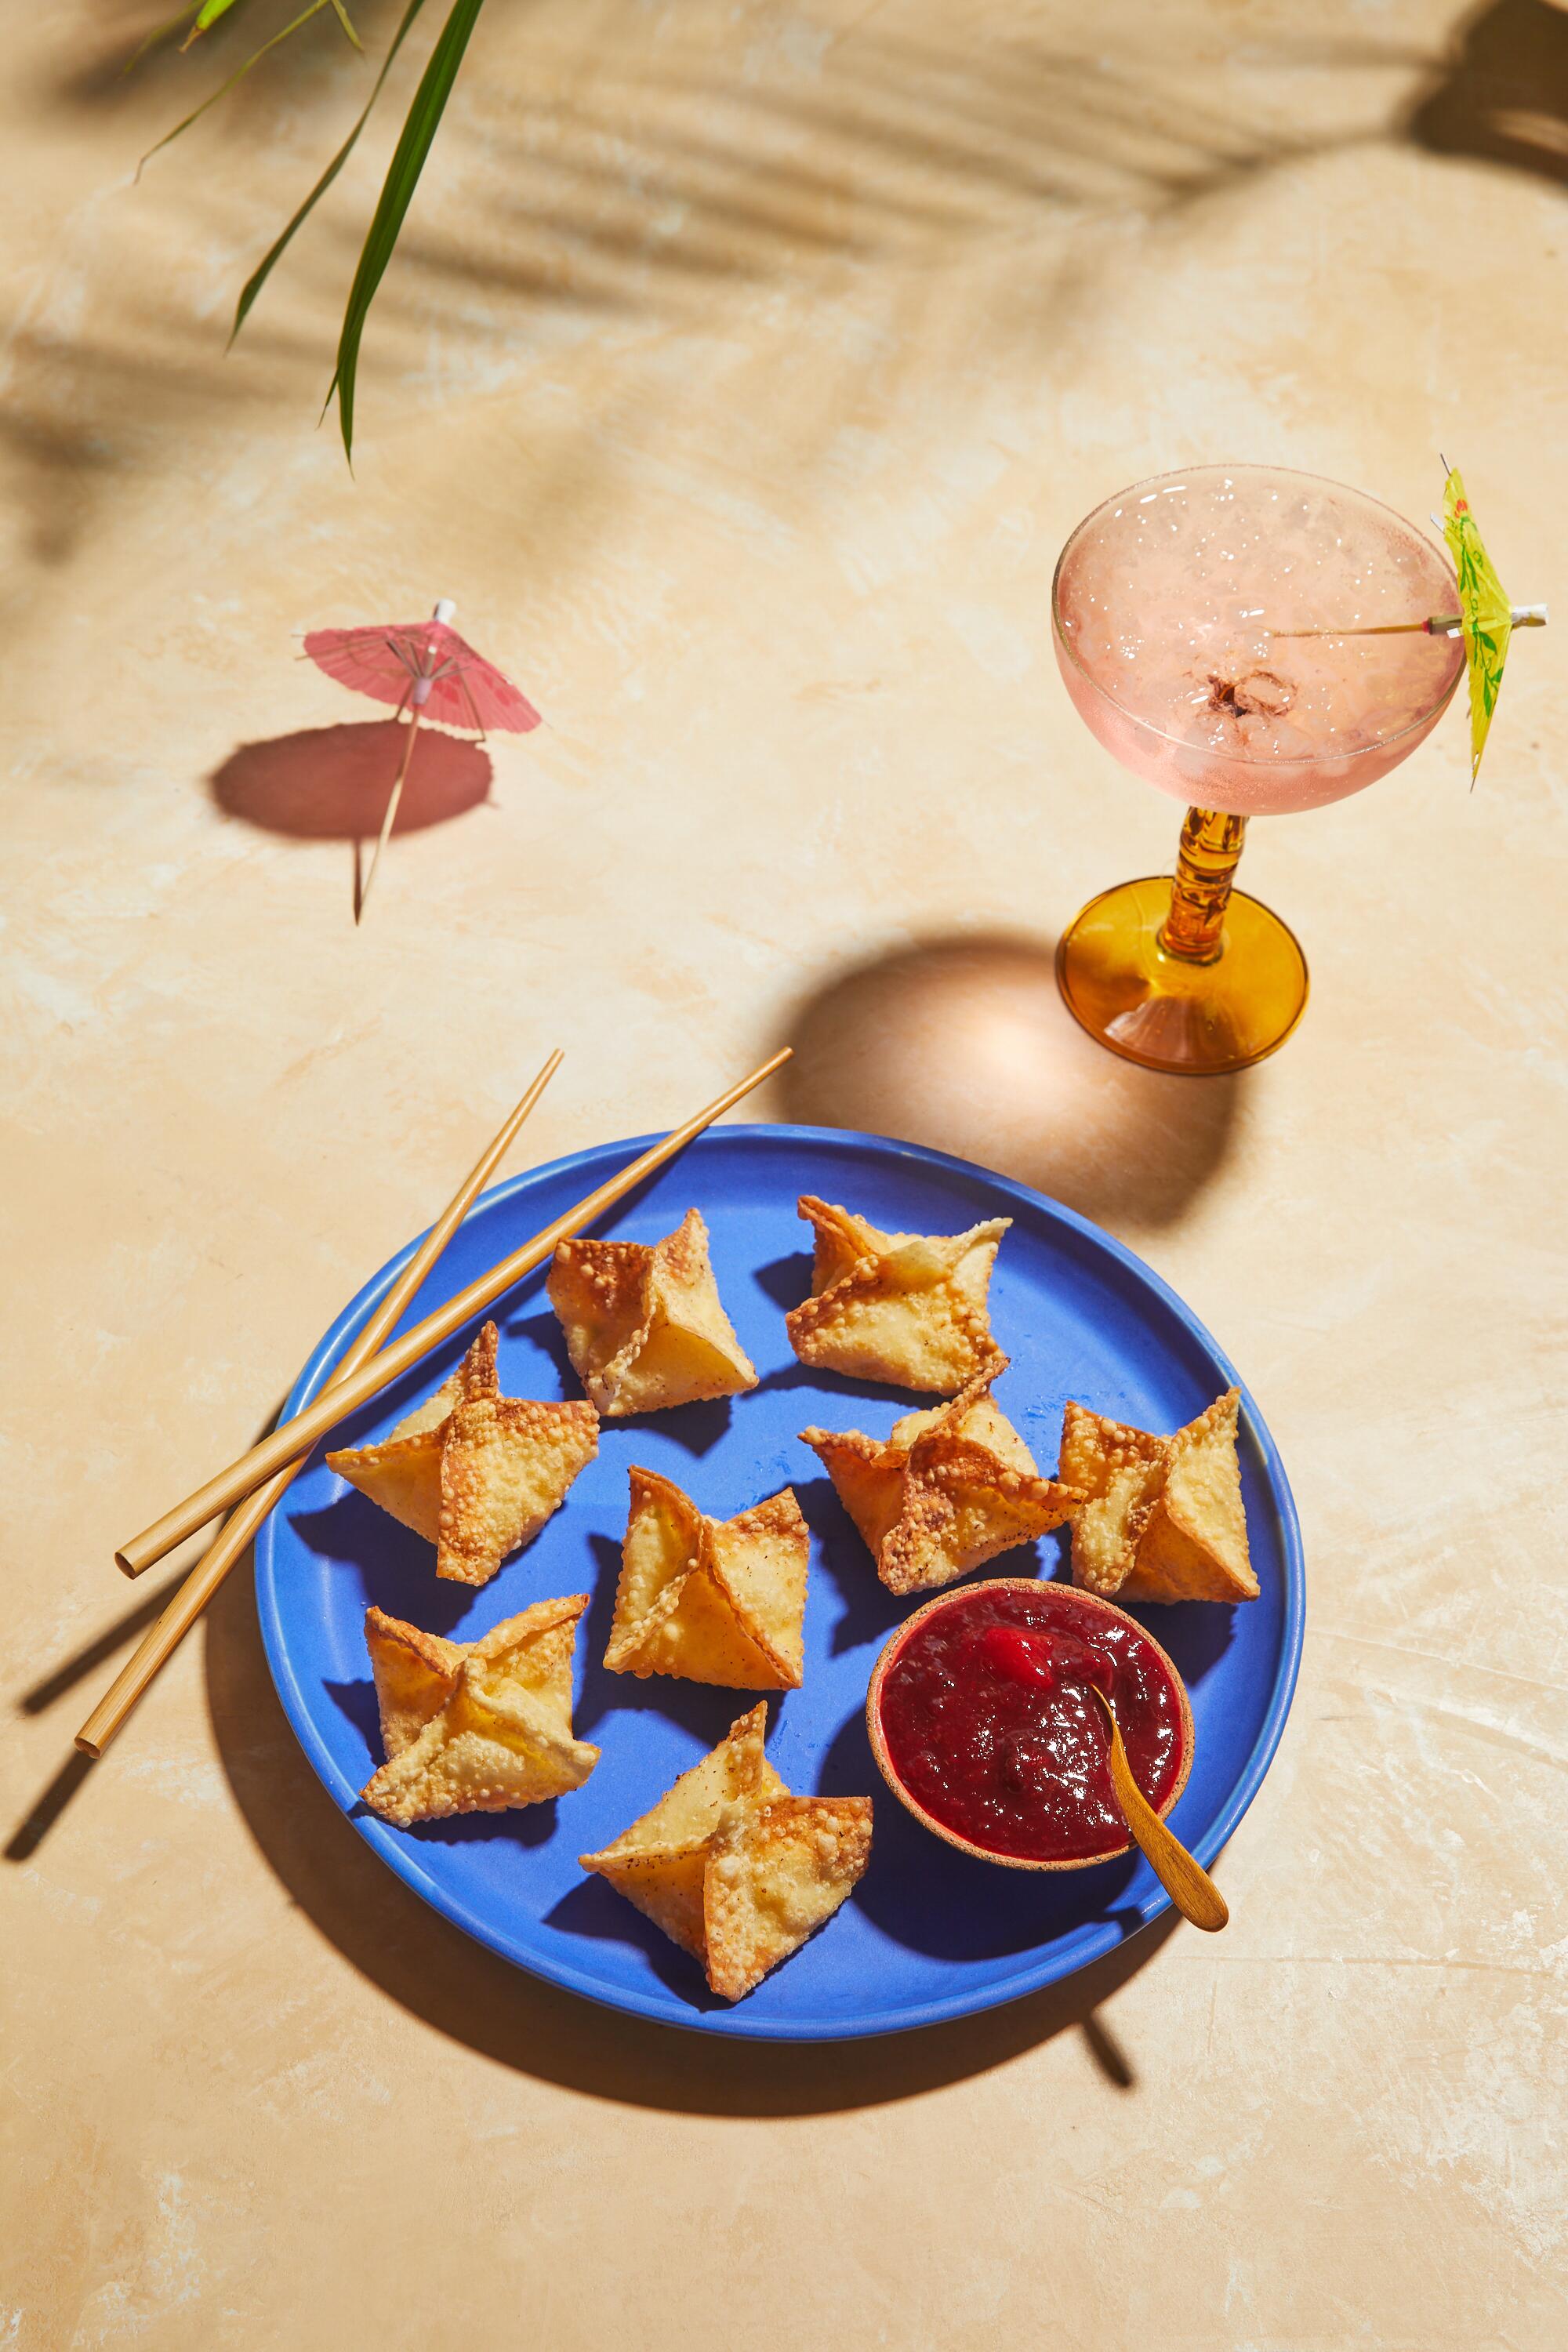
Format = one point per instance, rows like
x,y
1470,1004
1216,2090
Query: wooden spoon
x,y
1187,1883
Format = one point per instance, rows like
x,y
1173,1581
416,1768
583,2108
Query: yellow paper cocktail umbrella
x,y
1486,620
1485,616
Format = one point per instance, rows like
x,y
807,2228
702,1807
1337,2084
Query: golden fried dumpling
x,y
714,1600
909,1309
475,1727
734,1869
947,1490
643,1324
475,1471
1163,1521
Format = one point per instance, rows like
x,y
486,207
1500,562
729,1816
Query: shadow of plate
x,y
420,1960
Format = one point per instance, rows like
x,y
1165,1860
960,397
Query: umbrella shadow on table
x,y
422,1962
331,783
962,1043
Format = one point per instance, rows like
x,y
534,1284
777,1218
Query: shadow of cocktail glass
x,y
962,1043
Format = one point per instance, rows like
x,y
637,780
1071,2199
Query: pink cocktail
x,y
1193,621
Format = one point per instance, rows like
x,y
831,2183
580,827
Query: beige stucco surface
x,y
745,368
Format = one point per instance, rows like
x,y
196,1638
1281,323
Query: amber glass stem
x,y
1205,869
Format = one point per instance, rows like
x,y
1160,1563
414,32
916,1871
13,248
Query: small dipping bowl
x,y
1018,1770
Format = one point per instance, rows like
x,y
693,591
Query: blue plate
x,y
929,1933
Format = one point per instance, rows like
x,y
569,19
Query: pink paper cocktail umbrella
x,y
425,669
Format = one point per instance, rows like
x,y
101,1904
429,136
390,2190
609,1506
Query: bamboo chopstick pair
x,y
262,1475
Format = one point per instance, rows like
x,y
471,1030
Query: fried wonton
x,y
1163,1521
947,1490
645,1328
477,1472
475,1727
909,1309
734,1869
714,1600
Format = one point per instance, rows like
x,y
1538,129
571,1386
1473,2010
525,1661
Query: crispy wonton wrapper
x,y
947,1490
909,1309
714,1600
477,1472
475,1727
1163,1521
645,1328
734,1869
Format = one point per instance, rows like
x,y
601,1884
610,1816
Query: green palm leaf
x,y
222,89
396,194
209,11
159,33
259,276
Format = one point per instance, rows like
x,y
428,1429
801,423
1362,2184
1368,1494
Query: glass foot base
x,y
1194,1019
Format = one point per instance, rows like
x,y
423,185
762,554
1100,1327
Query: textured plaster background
x,y
743,370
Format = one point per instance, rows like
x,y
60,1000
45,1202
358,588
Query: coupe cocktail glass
x,y
1172,609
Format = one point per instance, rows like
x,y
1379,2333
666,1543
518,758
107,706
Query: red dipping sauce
x,y
991,1725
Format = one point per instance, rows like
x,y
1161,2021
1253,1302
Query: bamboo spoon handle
x,y
298,1435
1186,1882
168,1631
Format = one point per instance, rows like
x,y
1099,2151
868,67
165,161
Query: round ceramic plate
x,y
929,1934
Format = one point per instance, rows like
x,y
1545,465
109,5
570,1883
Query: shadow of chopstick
x,y
34,1828
101,1647
46,1808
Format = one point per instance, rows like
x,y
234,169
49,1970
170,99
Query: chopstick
x,y
347,1395
170,1627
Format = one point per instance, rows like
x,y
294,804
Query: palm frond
x,y
258,276
408,158
341,14
207,14
314,9
159,33
398,191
